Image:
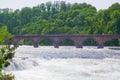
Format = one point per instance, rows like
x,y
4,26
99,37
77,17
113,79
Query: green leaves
x,y
4,76
6,53
61,18
3,33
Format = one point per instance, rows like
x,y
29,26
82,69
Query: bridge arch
x,y
25,41
46,42
22,41
90,42
112,42
67,42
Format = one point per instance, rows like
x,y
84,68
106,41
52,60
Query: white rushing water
x,y
65,63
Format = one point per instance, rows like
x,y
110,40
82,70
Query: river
x,y
65,63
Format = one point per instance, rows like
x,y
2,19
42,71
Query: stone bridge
x,y
77,39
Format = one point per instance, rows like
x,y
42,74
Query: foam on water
x,y
65,63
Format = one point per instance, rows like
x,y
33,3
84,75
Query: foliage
x,y
6,53
3,34
6,76
62,18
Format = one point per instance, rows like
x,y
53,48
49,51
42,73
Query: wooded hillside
x,y
62,18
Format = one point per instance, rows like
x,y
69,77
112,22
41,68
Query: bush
x,y
6,53
4,76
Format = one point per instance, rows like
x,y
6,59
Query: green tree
x,y
3,34
6,53
62,18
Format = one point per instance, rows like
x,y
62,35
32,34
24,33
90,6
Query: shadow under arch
x,y
90,42
67,42
25,42
112,42
46,42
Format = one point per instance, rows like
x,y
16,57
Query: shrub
x,y
6,53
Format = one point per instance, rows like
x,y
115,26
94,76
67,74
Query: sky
x,y
18,4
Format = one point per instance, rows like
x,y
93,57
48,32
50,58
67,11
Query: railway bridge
x,y
77,39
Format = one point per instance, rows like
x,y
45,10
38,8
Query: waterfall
x,y
65,63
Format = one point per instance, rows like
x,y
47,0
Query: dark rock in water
x,y
115,48
23,58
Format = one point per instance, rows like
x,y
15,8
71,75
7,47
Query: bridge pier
x,y
78,45
100,46
36,45
16,44
56,45
35,42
